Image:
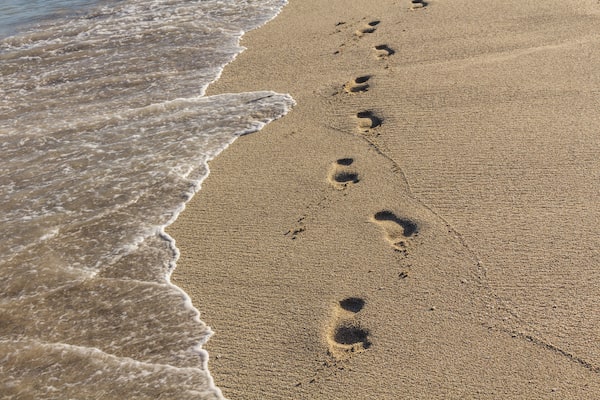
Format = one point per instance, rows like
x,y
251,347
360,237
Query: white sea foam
x,y
105,134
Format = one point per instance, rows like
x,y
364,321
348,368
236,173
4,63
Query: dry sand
x,y
424,223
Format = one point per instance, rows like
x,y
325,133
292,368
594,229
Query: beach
x,y
423,223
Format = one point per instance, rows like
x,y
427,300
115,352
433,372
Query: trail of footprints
x,y
380,51
345,334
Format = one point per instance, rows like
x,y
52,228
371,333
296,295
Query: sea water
x,y
105,133
16,15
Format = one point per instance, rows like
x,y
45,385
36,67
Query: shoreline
x,y
363,245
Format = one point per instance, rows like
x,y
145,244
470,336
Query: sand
x,y
424,222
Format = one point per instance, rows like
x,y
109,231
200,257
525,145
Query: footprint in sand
x,y
383,51
397,229
367,120
345,336
357,85
368,28
417,4
342,174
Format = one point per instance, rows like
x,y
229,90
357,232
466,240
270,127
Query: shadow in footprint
x,y
354,336
359,84
352,304
367,120
383,51
346,177
341,174
409,227
346,336
368,28
416,4
345,161
397,229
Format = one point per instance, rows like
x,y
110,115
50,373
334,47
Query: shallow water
x,y
16,15
105,133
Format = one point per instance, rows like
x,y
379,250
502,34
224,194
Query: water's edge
x,y
204,355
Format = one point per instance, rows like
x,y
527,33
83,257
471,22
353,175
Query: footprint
x,y
341,174
345,161
397,229
357,85
352,304
352,337
416,4
383,51
367,120
346,336
368,28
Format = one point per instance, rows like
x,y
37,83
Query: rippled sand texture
x,y
105,133
425,222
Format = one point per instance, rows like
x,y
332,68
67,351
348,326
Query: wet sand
x,y
424,223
